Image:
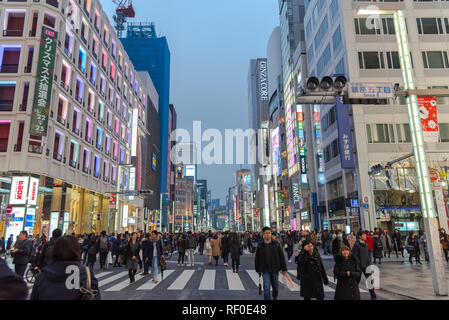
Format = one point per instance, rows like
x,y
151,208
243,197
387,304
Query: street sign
x,y
371,90
9,209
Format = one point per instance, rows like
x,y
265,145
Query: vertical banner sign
x,y
291,151
429,118
344,135
295,193
44,82
276,151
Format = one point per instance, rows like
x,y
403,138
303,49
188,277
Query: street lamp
x,y
428,209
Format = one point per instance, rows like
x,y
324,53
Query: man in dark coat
x,y
12,286
225,248
48,248
397,243
22,253
116,250
360,252
201,241
104,246
269,260
311,272
337,243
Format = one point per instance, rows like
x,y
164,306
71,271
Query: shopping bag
x,y
287,281
109,259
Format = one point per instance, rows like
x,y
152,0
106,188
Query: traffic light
x,y
377,169
326,84
389,174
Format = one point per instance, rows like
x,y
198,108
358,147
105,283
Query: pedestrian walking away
x,y
360,252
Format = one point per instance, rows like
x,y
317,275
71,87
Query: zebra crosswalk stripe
x,y
150,285
208,280
182,280
113,278
254,276
101,275
234,282
122,285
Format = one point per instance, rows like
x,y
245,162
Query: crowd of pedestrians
x,y
145,252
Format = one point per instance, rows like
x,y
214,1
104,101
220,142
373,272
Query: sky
x,y
211,44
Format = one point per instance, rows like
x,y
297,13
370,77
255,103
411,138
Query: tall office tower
x,y
151,53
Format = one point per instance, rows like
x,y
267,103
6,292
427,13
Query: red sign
x,y
434,175
429,118
170,218
9,209
113,199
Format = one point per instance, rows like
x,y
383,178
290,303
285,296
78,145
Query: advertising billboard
x,y
29,220
190,171
44,82
154,162
125,216
16,225
276,151
429,118
344,135
290,143
19,190
33,192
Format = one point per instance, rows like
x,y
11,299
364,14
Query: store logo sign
x,y
19,190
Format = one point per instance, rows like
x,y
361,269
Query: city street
x,y
204,282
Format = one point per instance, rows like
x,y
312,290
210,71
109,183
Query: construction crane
x,y
124,10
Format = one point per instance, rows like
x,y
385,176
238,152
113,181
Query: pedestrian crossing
x,y
202,280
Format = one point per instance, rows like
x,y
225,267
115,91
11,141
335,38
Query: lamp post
x,y
426,195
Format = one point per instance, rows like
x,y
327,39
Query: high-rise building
x,y
151,53
70,97
258,111
364,49
291,13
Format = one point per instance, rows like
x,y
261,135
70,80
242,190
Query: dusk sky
x,y
211,44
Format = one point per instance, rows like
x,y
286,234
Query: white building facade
x,y
72,131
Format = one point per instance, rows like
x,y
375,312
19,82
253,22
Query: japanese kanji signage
x,y
371,91
344,135
44,81
429,118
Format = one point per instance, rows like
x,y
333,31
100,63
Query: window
x,y
108,145
93,73
88,132
97,163
435,59
106,170
380,133
444,132
65,75
429,26
113,175
79,90
97,20
10,58
95,46
18,146
115,150
86,160
99,139
102,84
91,101
74,150
5,125
15,20
62,110
7,91
365,26
388,26
49,20
393,61
58,146
76,121
82,58
371,60
100,110
404,134
29,60
69,43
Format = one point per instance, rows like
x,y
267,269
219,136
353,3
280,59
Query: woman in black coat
x,y
51,283
236,252
92,250
348,273
378,248
311,273
413,242
397,243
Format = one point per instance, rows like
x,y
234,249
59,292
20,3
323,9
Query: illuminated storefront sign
x,y
29,221
32,194
276,151
291,151
134,133
267,205
16,225
125,216
19,190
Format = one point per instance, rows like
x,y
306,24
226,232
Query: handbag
x,y
88,294
409,248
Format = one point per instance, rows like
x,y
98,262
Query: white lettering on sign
x,y
19,190
263,81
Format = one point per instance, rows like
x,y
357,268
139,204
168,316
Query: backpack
x,y
92,250
103,243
